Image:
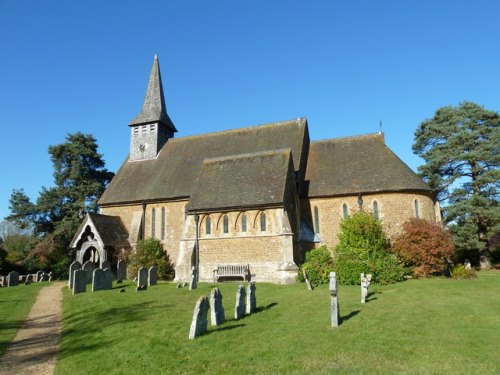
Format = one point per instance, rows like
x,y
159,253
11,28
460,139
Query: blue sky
x,y
69,66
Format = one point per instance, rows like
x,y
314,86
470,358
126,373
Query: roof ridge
x,y
300,120
351,137
270,152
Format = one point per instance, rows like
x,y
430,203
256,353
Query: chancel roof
x,y
362,164
174,172
242,181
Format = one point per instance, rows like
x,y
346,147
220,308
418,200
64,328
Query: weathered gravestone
x,y
308,282
88,267
108,278
365,283
239,309
217,314
39,275
467,264
200,318
251,300
105,265
121,270
192,283
98,280
79,281
142,278
45,277
12,279
334,300
29,279
72,268
152,275
51,276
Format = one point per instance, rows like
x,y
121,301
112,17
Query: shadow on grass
x,y
227,328
264,308
352,314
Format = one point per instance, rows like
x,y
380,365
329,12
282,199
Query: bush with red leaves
x,y
425,246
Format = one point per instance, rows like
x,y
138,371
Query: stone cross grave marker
x,y
79,281
97,280
239,309
121,270
217,314
108,279
142,278
334,300
308,282
200,318
152,275
12,279
251,300
72,268
88,267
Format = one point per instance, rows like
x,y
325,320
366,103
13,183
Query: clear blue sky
x,y
69,66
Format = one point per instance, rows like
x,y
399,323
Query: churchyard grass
x,y
432,326
15,304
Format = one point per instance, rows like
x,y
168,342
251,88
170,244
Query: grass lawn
x,y
15,304
431,326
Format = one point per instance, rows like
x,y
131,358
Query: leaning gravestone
x,y
39,275
97,280
200,318
217,314
239,309
121,270
72,268
152,275
251,300
142,278
308,282
88,267
108,279
12,279
79,281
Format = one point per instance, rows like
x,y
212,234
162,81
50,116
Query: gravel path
x,y
34,348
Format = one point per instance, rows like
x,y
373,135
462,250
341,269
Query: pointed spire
x,y
154,108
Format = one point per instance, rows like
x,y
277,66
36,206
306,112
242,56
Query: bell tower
x,y
152,127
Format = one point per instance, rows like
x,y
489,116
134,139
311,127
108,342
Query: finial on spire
x,y
156,56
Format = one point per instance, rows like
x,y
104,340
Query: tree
x,y
424,246
363,247
149,253
80,178
460,146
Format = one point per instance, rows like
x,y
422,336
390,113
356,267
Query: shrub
x,y
460,272
149,253
318,265
424,246
363,247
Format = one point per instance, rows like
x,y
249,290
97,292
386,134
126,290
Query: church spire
x,y
154,109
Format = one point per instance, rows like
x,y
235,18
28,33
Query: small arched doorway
x,y
92,254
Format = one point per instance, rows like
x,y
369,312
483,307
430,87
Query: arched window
x,y
417,208
163,222
208,225
243,222
226,224
262,221
345,211
316,220
153,222
376,213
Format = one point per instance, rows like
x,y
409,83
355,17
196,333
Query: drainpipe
x,y
197,246
143,226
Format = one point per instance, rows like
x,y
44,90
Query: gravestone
x,y
88,267
217,314
45,277
251,300
239,309
192,283
108,279
142,278
72,268
51,276
39,275
98,280
365,283
29,280
141,287
121,270
12,279
178,286
79,281
200,318
105,265
334,300
308,282
467,264
152,275
184,284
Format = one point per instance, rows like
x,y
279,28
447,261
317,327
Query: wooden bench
x,y
232,270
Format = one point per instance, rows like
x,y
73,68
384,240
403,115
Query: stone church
x,y
259,196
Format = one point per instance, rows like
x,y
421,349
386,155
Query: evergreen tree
x,y
460,146
80,178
